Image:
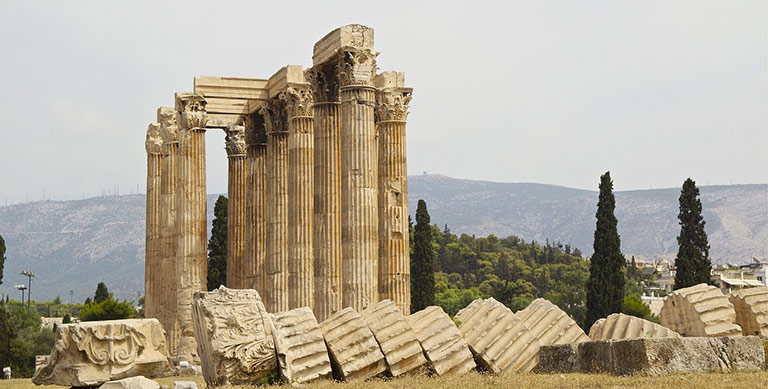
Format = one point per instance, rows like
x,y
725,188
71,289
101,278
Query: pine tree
x,y
102,293
692,263
605,287
217,246
2,258
422,262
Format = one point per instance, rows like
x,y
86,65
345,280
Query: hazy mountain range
x,y
72,245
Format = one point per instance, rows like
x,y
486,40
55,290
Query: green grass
x,y
517,381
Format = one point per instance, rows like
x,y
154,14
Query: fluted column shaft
x,y
236,204
152,258
191,264
298,102
327,211
359,195
256,218
276,266
394,256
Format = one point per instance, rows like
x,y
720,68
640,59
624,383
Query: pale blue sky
x,y
553,92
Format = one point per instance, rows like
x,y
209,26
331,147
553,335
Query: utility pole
x,y
29,274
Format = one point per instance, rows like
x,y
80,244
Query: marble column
x,y
191,264
276,265
359,179
327,196
152,259
169,182
298,102
256,207
236,154
392,101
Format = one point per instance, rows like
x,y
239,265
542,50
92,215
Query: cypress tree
x,y
422,262
692,263
102,293
605,287
2,258
217,246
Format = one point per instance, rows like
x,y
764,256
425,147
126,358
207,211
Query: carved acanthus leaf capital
x,y
357,67
275,116
235,139
298,100
169,128
324,82
190,108
255,133
153,142
392,104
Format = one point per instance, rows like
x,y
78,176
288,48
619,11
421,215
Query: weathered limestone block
x,y
619,326
751,307
353,349
498,338
234,336
549,324
91,353
660,356
138,382
396,338
441,341
699,310
301,351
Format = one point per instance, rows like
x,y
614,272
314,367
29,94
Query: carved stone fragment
x,y
353,349
619,326
751,307
441,341
396,338
301,351
234,334
91,353
498,338
699,310
549,324
138,382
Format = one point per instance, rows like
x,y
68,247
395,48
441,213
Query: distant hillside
x,y
76,244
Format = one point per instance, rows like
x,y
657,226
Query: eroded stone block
x,y
499,340
619,326
660,356
395,336
91,353
699,310
751,306
301,351
549,324
138,382
352,347
443,345
234,336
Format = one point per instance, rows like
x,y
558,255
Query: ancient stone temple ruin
x,y
317,212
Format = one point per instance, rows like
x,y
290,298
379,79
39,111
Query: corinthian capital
x,y
392,98
153,142
357,67
169,129
190,108
324,83
275,116
235,139
298,100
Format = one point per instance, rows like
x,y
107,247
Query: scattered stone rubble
x,y
92,353
751,306
619,326
699,310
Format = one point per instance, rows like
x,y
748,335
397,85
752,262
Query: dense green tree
x,y
634,305
605,286
102,293
66,319
109,309
422,261
2,258
29,339
6,332
217,246
692,263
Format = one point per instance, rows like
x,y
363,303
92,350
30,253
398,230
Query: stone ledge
x,y
655,357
